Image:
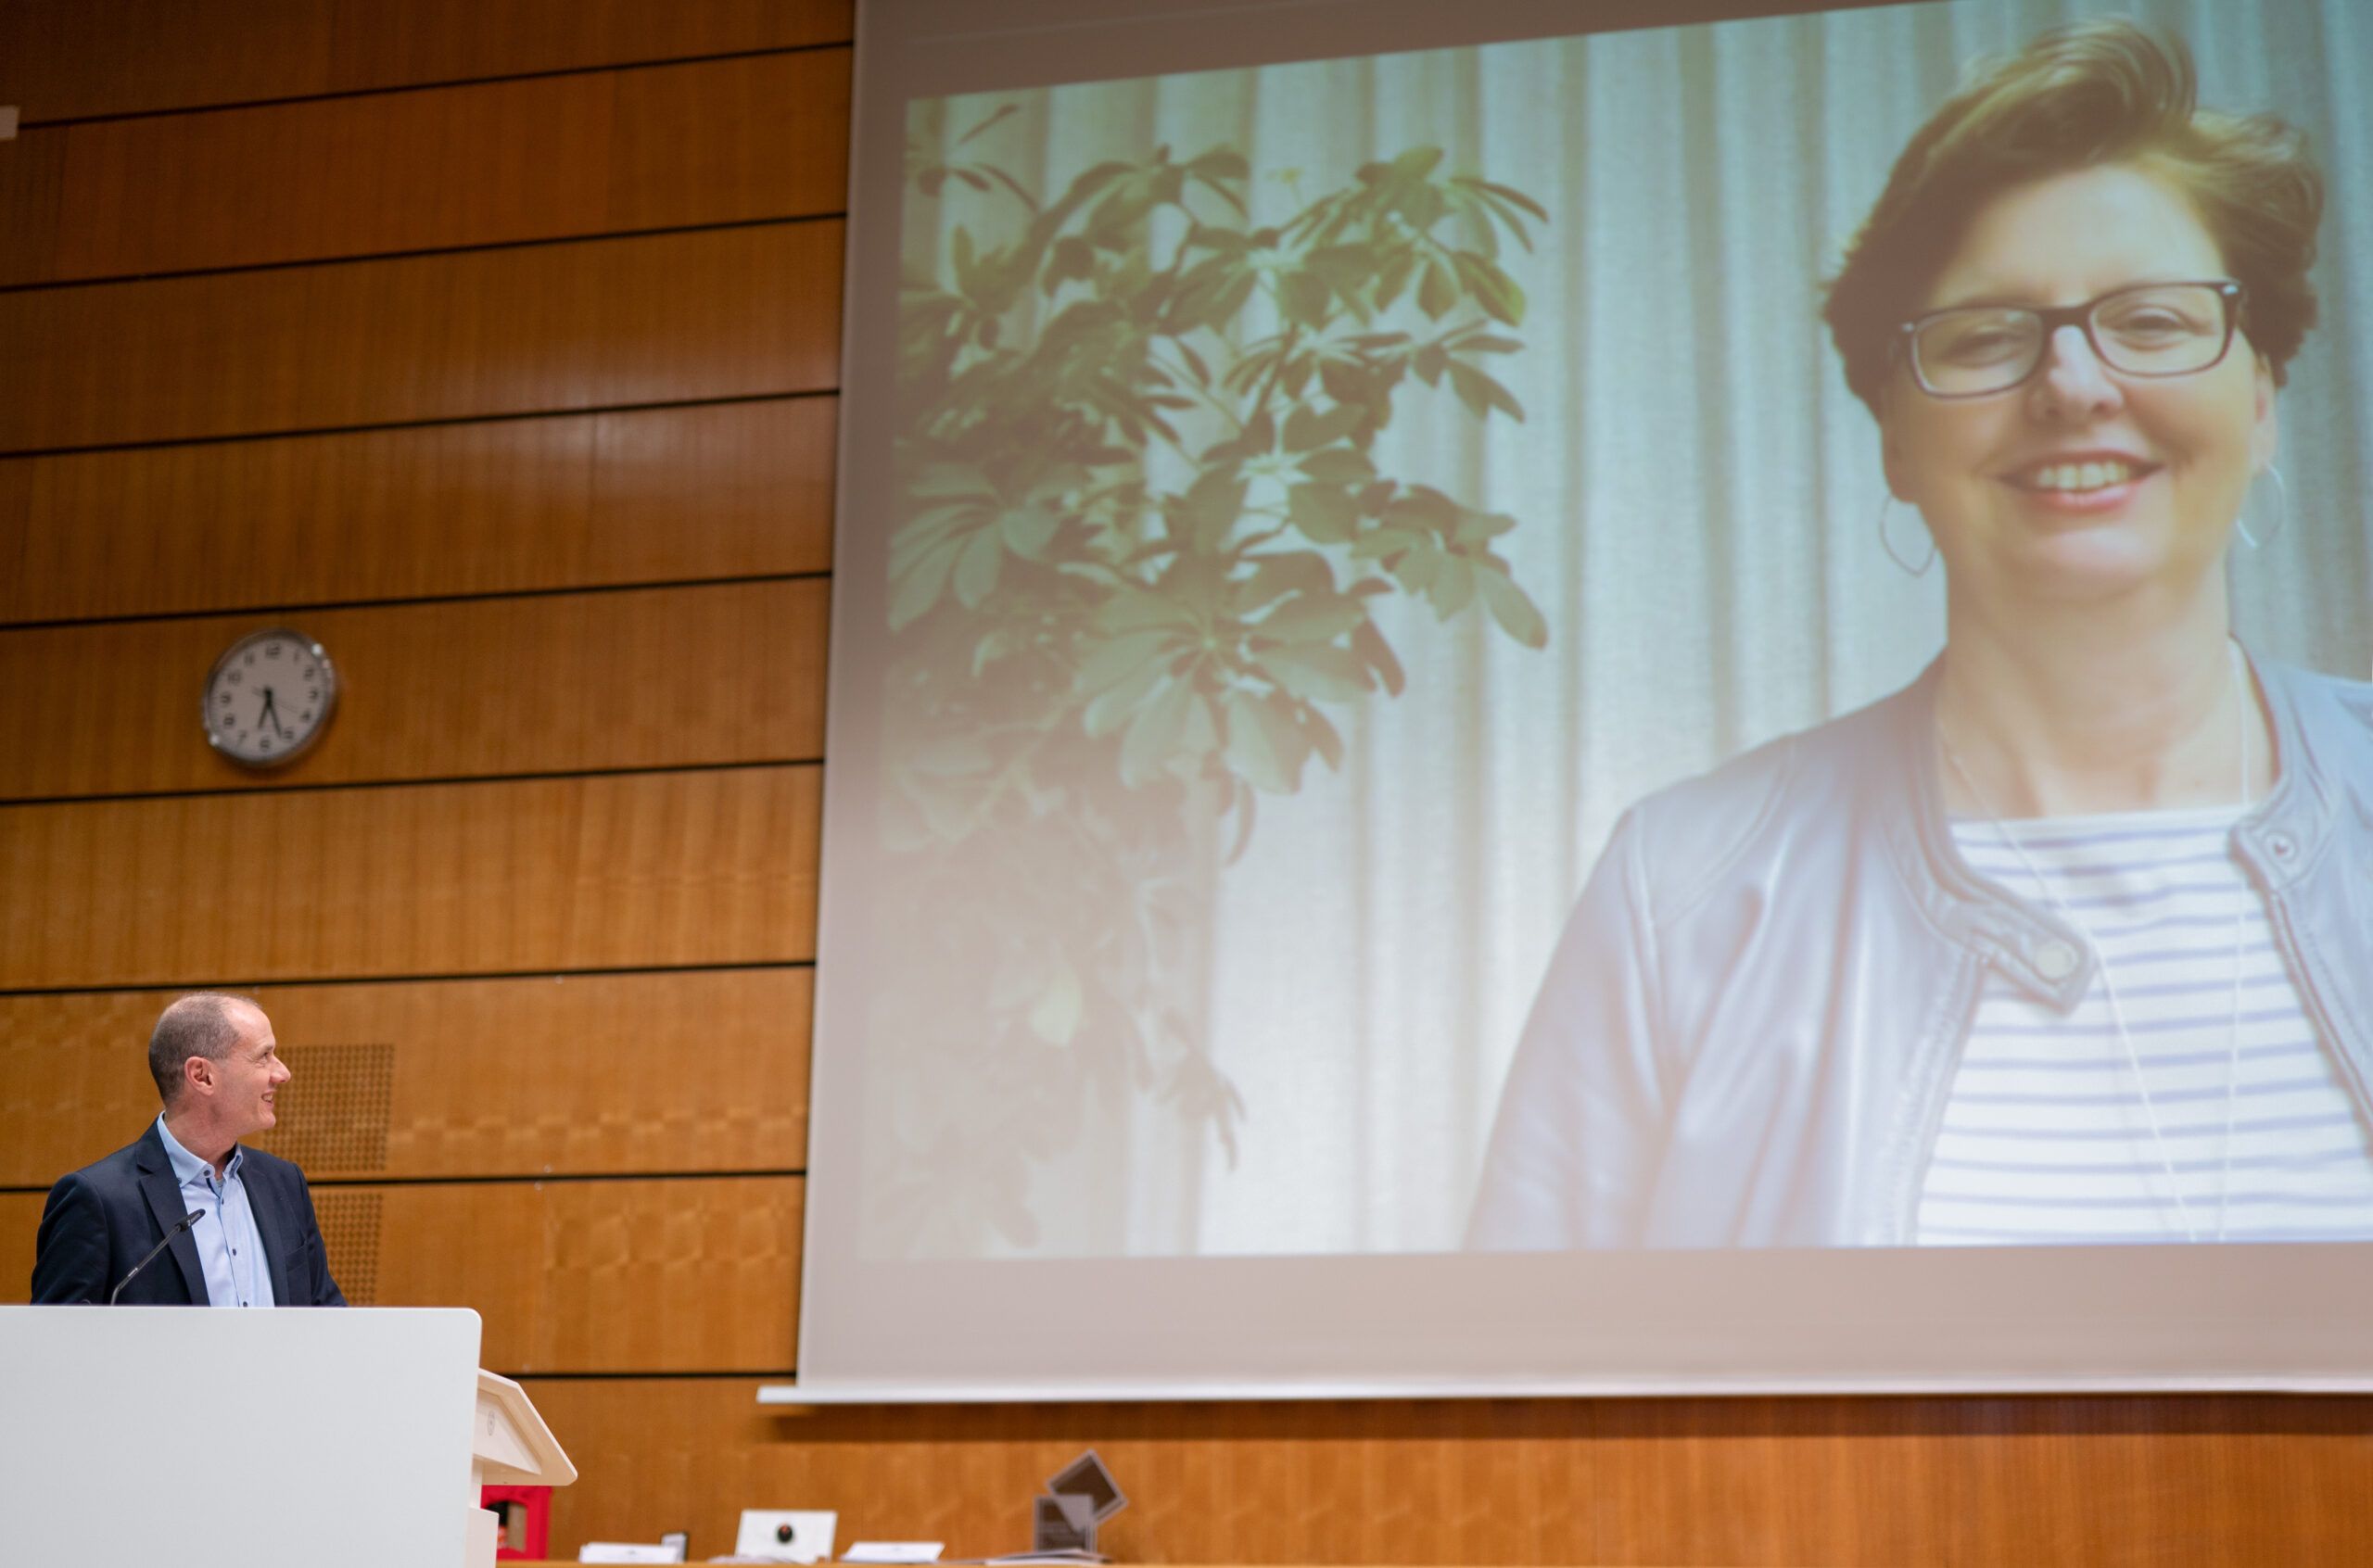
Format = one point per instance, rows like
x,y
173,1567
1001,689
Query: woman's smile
x,y
2082,483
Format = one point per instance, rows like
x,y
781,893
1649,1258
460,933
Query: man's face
x,y
240,1087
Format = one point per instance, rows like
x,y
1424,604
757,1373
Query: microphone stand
x,y
191,1218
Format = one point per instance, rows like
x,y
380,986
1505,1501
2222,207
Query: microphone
x,y
191,1218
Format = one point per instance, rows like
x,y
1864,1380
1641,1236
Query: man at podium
x,y
235,1226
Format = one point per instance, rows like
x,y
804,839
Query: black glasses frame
x,y
2233,295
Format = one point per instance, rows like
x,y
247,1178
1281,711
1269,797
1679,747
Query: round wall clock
x,y
267,697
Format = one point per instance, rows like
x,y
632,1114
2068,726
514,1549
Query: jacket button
x,y
2282,846
2055,960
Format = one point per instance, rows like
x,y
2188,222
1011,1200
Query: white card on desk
x,y
627,1552
893,1551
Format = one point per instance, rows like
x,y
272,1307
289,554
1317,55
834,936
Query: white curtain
x,y
1698,499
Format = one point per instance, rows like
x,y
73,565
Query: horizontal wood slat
x,y
645,677
398,43
451,166
732,140
652,319
615,1276
2217,1482
633,871
688,1276
542,158
62,58
69,59
488,1078
506,506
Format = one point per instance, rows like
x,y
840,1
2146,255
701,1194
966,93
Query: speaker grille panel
x,y
350,1242
334,1109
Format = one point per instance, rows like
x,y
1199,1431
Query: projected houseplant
x,y
1143,537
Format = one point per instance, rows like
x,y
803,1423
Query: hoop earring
x,y
2281,510
1886,542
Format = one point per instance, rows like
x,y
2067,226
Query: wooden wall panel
x,y
540,157
765,137
15,527
32,171
387,42
660,318
503,506
2221,1483
631,871
489,1077
692,1274
645,677
326,177
72,59
19,1224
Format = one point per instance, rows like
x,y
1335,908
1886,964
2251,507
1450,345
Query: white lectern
x,y
281,1439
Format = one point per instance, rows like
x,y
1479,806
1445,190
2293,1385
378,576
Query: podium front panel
x,y
227,1439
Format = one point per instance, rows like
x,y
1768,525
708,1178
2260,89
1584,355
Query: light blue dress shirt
x,y
229,1247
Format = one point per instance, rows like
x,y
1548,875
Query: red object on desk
x,y
527,1519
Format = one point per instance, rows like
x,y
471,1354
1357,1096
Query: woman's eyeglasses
x,y
2147,329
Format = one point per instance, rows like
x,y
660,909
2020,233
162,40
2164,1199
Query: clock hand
x,y
272,714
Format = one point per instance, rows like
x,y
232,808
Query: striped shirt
x,y
2216,1115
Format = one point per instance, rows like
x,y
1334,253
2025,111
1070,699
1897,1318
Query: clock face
x,y
269,697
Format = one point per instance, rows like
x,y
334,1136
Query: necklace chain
x,y
2109,979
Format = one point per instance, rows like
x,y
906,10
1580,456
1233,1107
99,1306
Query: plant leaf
x,y
1369,644
1261,750
976,568
1452,588
1493,289
1200,736
1418,568
1136,610
1512,607
1437,293
1123,657
1338,465
1154,734
1212,504
1324,514
1028,529
1312,618
1481,392
1123,697
1305,298
1279,572
1308,429
1002,112
1318,672
1417,162
1323,736
916,591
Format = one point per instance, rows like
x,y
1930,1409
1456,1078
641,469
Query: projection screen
x,y
1395,822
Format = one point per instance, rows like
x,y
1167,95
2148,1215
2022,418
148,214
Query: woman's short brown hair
x,y
2095,93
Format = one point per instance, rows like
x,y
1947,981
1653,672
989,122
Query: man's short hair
x,y
199,1025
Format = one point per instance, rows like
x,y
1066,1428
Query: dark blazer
x,y
105,1218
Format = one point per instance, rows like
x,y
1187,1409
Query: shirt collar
x,y
187,1167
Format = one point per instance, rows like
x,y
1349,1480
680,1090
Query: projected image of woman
x,y
2072,940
